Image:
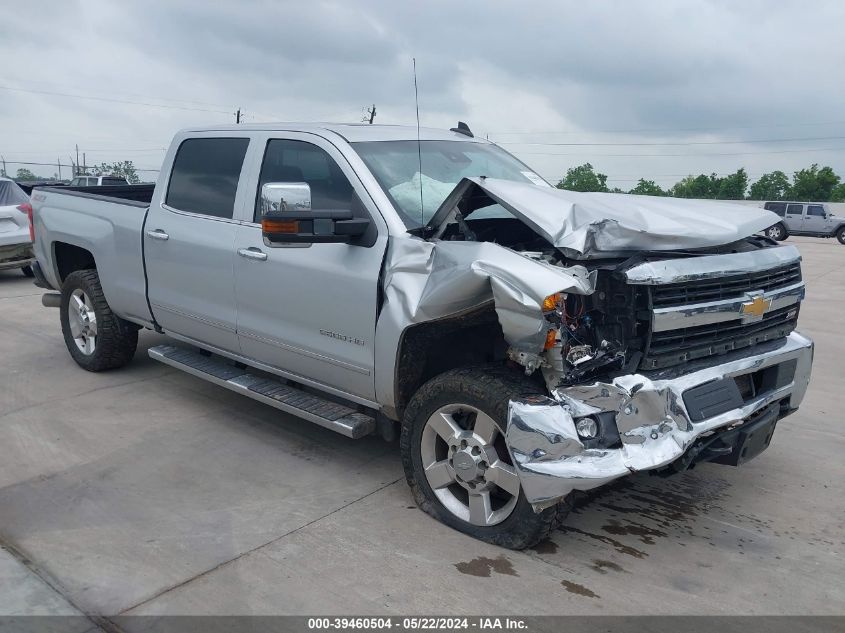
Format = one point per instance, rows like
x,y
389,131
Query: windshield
x,y
11,194
396,167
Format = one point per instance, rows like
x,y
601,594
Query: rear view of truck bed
x,y
75,223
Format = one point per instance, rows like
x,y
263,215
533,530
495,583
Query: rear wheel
x,y
458,465
777,232
840,235
27,271
96,337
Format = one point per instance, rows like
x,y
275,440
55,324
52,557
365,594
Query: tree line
x,y
120,168
818,184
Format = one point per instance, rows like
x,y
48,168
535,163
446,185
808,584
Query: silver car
x,y
15,235
813,219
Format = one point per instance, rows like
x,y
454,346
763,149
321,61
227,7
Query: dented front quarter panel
x,y
426,281
653,422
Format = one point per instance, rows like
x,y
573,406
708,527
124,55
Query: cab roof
x,y
351,132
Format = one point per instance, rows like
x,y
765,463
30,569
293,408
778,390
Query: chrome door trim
x,y
304,352
190,315
372,404
203,216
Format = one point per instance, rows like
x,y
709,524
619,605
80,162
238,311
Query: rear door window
x,y
794,209
776,207
816,210
205,176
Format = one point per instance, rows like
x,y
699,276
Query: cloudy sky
x,y
651,89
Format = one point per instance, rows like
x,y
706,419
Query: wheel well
x,y
70,258
429,349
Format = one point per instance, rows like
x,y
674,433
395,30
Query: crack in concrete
x,y
101,623
256,548
78,395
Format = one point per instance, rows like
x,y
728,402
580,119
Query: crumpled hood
x,y
603,224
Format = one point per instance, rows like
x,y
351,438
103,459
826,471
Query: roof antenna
x,y
462,128
419,147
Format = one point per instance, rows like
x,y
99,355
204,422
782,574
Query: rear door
x,y
776,207
815,220
794,217
189,241
309,310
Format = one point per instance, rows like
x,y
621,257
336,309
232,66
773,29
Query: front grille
x,y
678,346
705,290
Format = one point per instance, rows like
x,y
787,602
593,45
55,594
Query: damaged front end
x,y
710,362
664,331
649,421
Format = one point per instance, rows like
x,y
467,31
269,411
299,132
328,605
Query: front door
x,y
815,219
189,243
310,310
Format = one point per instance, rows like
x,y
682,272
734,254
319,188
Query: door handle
x,y
158,234
252,253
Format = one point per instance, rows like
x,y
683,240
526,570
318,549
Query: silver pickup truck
x,y
521,341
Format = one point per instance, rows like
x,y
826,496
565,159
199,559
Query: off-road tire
x,y
488,388
116,340
777,232
27,271
840,235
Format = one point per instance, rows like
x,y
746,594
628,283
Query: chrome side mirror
x,y
287,218
279,197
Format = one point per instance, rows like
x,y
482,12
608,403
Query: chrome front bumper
x,y
654,425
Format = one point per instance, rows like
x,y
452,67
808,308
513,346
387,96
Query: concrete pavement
x,y
147,491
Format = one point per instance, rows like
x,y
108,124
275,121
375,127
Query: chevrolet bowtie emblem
x,y
755,309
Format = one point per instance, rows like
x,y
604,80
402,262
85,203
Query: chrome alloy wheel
x,y
774,232
467,465
82,321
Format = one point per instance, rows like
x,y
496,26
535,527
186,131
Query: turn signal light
x,y
551,339
551,302
279,226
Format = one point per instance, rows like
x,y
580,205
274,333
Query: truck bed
x,y
120,194
106,222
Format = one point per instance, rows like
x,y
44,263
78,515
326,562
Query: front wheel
x,y
777,232
840,235
96,337
458,465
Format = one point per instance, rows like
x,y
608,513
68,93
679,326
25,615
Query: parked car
x,y
813,219
29,185
98,181
15,228
523,342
